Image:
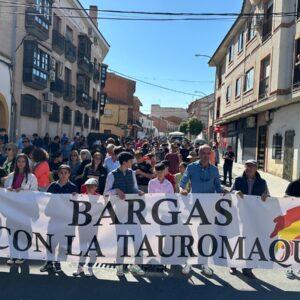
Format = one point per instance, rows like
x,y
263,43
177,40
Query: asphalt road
x,y
27,282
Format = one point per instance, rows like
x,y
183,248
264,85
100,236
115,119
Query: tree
x,y
183,127
195,126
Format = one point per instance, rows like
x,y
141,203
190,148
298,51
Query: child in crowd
x,y
160,184
169,176
178,176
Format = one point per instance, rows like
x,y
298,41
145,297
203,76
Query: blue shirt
x,y
110,165
203,180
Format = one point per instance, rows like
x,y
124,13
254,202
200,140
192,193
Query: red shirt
x,y
173,158
18,181
171,178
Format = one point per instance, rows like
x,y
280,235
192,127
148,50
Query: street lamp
x,y
207,56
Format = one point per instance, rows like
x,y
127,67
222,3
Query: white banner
x,y
154,229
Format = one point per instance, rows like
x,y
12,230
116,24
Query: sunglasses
x,y
9,149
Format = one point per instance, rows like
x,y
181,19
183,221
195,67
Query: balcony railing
x,y
85,66
95,106
58,42
70,51
264,88
36,25
69,92
96,75
57,87
82,98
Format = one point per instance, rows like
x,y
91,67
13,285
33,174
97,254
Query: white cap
x,y
251,162
91,181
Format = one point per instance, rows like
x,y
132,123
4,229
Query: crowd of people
x,y
118,167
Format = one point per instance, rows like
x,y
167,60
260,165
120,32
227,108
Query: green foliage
x,y
195,126
183,127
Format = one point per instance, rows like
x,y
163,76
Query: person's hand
x,y
225,192
183,192
121,194
141,193
18,190
264,197
240,194
10,189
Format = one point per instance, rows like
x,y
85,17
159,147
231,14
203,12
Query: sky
x,y
163,53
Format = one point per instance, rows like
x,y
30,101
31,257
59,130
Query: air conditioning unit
x,y
52,76
47,107
48,97
52,63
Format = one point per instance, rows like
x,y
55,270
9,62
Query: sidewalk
x,y
277,185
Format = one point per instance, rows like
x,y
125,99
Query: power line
x,y
152,84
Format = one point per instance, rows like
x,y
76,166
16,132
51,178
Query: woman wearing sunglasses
x,y
11,153
96,170
74,163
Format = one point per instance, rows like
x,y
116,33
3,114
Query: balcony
x,y
34,78
58,42
82,98
69,92
70,51
36,25
85,66
89,103
96,75
57,87
264,86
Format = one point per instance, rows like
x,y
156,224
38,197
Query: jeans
x,y
227,169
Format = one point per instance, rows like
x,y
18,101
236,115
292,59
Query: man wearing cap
x,y
250,183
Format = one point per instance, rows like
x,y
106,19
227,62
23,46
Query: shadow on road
x,y
16,285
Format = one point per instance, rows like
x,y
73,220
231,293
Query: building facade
x,y
256,102
200,109
57,61
118,115
164,112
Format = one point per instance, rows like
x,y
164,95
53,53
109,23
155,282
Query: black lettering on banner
x,y
8,230
214,245
297,251
201,214
96,248
226,245
161,245
76,213
272,251
186,246
47,245
259,251
137,212
70,244
146,248
223,212
125,244
174,214
112,215
16,240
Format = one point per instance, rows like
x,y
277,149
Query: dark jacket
x,y
259,186
100,173
124,182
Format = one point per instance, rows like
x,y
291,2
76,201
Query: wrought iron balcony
x,y
36,25
82,98
58,42
85,66
57,87
69,92
70,51
32,78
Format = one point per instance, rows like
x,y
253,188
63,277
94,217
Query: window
x,y
40,64
108,112
277,146
250,30
298,9
86,121
264,77
69,34
230,53
55,116
93,125
248,84
83,83
228,94
241,42
78,118
67,115
68,76
56,23
268,20
43,9
220,70
30,106
97,125
238,84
